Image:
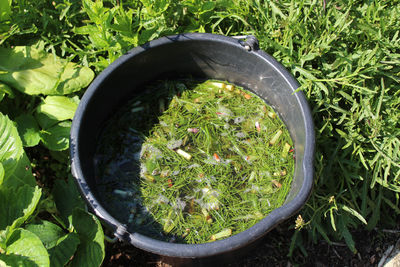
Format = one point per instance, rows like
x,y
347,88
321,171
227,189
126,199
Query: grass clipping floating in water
x,y
217,161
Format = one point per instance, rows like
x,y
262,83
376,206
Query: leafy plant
x,y
32,71
345,54
74,233
80,232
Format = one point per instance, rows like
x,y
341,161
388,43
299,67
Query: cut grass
x,y
212,157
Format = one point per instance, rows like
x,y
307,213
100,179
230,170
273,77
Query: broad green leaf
x,y
98,40
33,71
5,9
22,174
87,29
58,107
48,232
123,23
65,248
28,130
17,204
5,89
45,121
66,197
90,251
47,204
57,136
13,260
207,6
26,244
10,145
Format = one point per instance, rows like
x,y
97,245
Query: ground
x,y
274,248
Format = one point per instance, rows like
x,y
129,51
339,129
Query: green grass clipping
x,y
193,161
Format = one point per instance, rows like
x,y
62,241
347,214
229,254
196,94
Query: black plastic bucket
x,y
200,56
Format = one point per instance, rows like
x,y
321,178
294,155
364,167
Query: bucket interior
x,y
201,58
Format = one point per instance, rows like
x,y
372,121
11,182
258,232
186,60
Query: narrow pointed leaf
x,y
354,213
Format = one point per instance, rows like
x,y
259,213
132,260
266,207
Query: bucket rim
x,y
231,243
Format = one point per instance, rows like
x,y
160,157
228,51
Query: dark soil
x,y
273,250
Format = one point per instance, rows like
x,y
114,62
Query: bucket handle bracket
x,y
249,42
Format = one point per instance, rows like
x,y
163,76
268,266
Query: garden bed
x,y
344,54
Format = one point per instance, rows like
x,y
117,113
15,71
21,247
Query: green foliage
x,y
1,173
10,144
48,232
61,246
57,137
5,89
64,249
66,198
28,130
91,248
345,54
348,74
24,248
33,71
58,107
22,174
5,10
17,205
41,242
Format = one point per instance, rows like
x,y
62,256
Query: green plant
x,y
73,231
20,225
345,54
